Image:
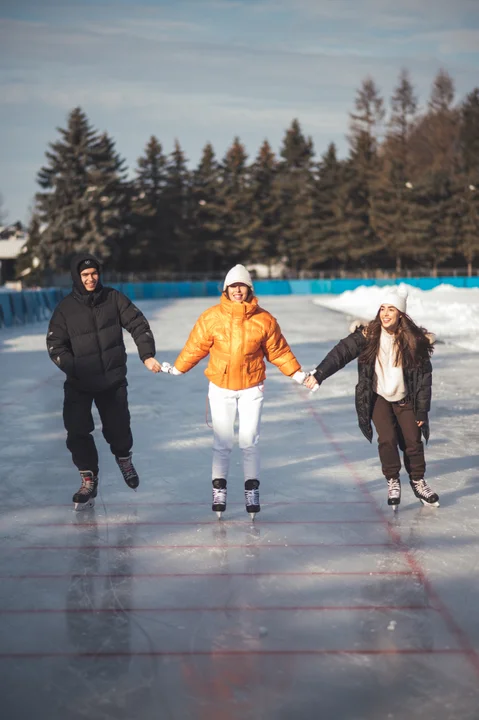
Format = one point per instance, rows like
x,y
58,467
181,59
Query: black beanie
x,y
87,264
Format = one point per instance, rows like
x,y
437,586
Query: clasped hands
x,y
307,379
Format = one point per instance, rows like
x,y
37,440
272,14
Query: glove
x,y
299,376
167,368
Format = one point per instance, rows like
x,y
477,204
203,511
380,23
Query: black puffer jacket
x,y
85,336
418,381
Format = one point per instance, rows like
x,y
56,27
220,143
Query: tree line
x,y
405,197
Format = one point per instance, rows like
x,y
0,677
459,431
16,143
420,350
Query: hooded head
x,y
80,262
396,296
238,274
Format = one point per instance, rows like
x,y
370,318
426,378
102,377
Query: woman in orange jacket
x,y
238,335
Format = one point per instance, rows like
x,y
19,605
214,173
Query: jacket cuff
x,y
318,375
421,416
146,356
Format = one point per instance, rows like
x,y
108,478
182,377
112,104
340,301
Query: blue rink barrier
x,y
26,306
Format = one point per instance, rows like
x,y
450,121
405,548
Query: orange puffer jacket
x,y
237,336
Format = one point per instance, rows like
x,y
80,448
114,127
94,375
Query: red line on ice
x,y
224,653
434,599
223,608
280,573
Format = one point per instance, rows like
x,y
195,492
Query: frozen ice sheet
x,y
328,606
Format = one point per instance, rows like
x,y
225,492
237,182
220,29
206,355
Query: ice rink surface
x,y
148,607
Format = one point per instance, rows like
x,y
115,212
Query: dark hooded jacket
x,y
418,381
85,334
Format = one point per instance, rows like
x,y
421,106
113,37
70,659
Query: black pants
x,y
396,426
77,417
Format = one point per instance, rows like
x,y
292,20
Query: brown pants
x,y
396,425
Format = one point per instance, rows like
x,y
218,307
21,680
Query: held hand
x,y
153,365
167,368
419,423
311,383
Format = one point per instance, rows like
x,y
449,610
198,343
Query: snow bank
x,y
449,312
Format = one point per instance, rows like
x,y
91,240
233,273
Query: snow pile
x,y
449,312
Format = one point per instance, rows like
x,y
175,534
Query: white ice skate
x,y
219,497
424,493
394,493
251,497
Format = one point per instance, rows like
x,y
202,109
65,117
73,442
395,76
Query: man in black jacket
x,y
85,340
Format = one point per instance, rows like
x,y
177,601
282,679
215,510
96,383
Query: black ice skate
x,y
251,497
130,476
219,496
425,493
84,499
394,492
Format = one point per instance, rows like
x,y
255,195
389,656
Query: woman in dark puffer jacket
x,y
393,390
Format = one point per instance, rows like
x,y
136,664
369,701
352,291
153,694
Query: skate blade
x,y
252,516
80,507
426,504
219,514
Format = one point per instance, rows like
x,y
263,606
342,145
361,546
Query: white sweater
x,y
388,379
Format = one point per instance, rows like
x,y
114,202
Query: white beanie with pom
x,y
395,295
238,274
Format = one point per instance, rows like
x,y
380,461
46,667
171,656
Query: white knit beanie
x,y
394,295
238,274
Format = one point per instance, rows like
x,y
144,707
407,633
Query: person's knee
x,y
248,440
388,439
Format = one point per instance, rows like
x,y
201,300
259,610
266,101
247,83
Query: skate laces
x,y
394,487
252,497
219,496
126,467
87,485
423,488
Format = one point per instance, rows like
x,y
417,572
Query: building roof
x,y
11,249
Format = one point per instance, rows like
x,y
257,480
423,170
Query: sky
x,y
208,70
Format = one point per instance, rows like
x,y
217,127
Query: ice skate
x,y
84,499
130,476
424,493
394,493
251,496
219,497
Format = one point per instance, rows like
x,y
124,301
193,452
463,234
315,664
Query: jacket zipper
x,y
93,309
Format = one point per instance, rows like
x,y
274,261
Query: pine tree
x,y
29,263
361,175
149,222
296,195
466,195
63,205
327,245
178,210
206,212
469,135
232,204
434,147
107,229
263,204
392,206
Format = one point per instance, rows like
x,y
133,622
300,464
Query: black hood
x,y
77,282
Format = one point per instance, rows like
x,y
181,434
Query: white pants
x,y
224,404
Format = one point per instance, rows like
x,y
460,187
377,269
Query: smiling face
x,y
389,317
237,292
89,278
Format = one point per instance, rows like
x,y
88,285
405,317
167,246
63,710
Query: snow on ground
x,y
449,312
327,606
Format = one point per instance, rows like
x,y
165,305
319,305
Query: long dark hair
x,y
412,343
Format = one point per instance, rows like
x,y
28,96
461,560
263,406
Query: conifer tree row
x,y
405,197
